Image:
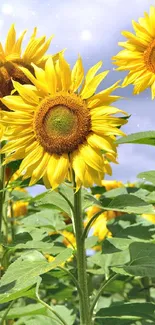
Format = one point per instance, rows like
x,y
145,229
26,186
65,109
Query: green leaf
x,y
91,241
25,271
52,198
130,204
127,203
17,195
130,310
148,176
105,261
32,309
147,137
39,309
142,256
45,218
115,192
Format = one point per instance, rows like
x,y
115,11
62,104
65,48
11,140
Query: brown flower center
x,y
149,57
61,123
8,71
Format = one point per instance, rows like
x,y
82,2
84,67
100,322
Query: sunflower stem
x,y
84,303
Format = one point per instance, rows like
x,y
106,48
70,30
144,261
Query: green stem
x,y
90,222
81,258
67,200
62,321
12,221
146,285
73,279
6,312
105,284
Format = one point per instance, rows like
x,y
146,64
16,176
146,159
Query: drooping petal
x,y
98,142
27,94
91,157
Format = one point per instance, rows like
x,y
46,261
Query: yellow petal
x,y
65,73
41,51
105,110
92,71
91,157
40,170
27,94
31,158
17,46
57,169
10,41
17,103
98,142
100,130
13,145
31,48
40,85
50,76
77,75
78,165
90,88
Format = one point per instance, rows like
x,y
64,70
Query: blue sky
x,y
93,29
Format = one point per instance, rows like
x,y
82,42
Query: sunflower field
x,y
83,251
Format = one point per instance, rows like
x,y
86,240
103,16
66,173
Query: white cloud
x,y
86,35
7,9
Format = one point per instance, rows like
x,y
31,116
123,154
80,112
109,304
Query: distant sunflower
x,y
139,54
54,128
12,58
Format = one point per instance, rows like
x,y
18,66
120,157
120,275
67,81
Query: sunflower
x,y
54,128
138,55
11,58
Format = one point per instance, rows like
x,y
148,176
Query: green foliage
x,y
37,253
147,137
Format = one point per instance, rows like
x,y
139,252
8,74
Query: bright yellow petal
x,y
17,46
32,157
98,142
78,165
50,76
92,71
40,85
57,169
17,103
77,75
90,88
91,157
10,41
27,94
40,170
65,73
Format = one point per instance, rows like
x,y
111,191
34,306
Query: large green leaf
x,y
129,310
148,176
142,257
25,271
52,198
127,203
147,137
45,218
105,261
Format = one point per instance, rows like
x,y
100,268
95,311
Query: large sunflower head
x,y
57,125
138,55
12,58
